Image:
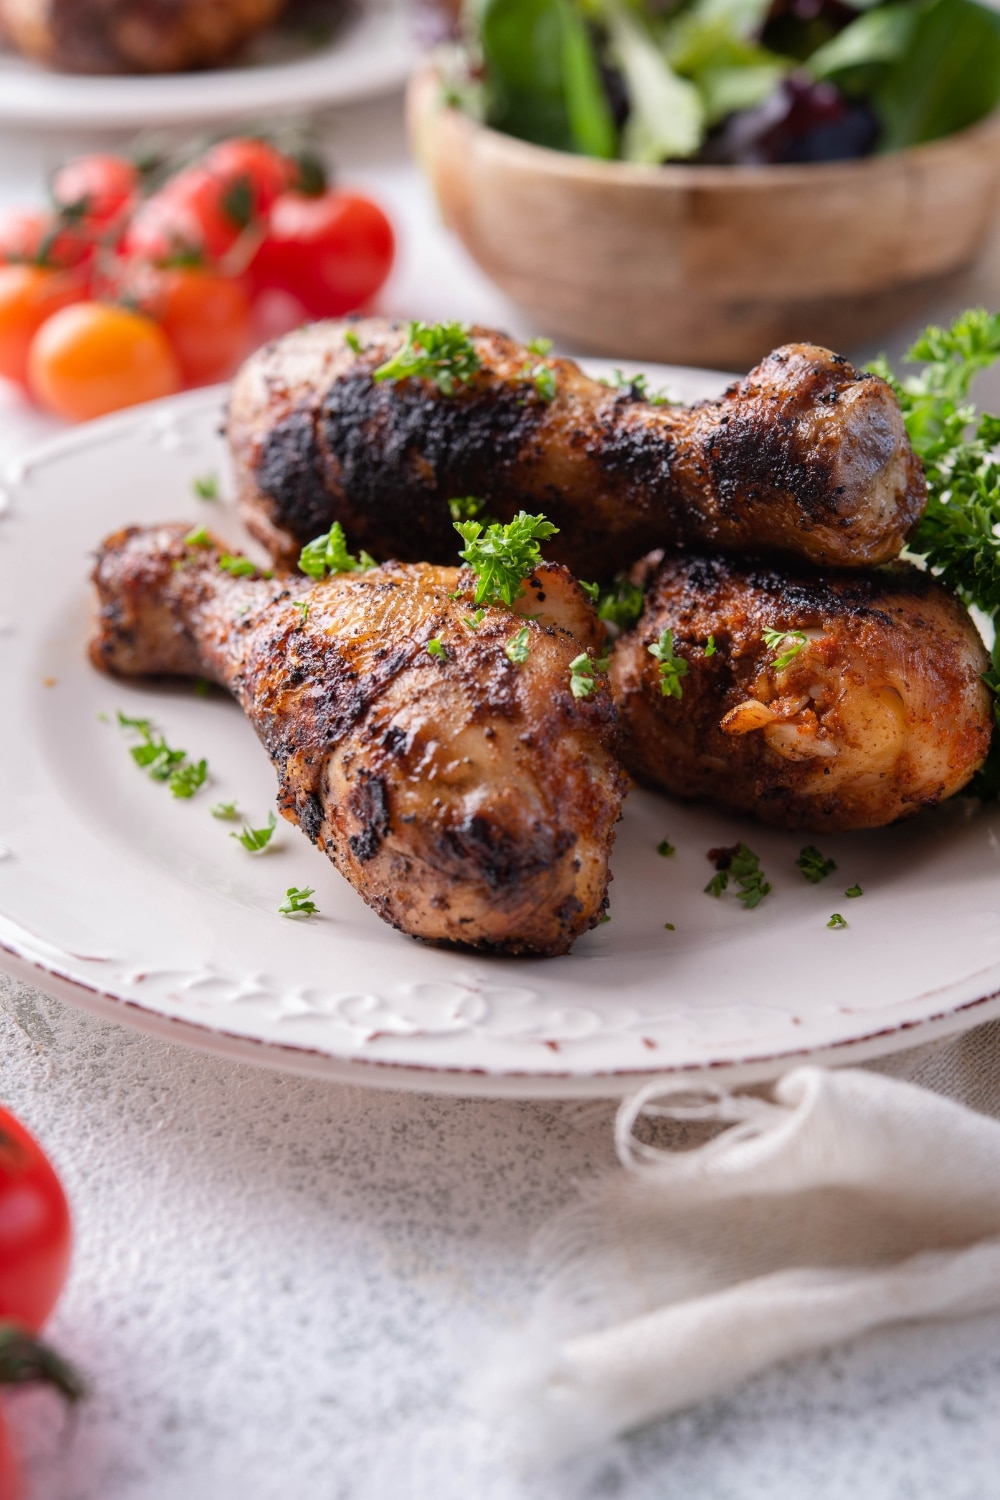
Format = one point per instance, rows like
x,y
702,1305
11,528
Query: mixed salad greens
x,y
728,81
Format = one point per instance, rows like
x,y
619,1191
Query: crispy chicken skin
x,y
804,455
880,713
132,36
470,800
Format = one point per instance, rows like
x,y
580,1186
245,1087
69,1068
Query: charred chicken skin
x,y
806,455
470,799
865,706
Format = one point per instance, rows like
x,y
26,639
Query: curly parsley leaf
x,y
441,352
775,639
638,388
466,508
198,537
813,866
206,487
227,811
542,377
502,556
238,566
328,554
853,891
837,920
254,840
436,647
620,603
740,865
297,902
672,667
665,848
582,681
187,778
154,756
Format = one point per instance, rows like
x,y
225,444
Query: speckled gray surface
x,y
282,1288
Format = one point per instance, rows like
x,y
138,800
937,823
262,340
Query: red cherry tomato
x,y
29,295
206,317
34,1228
266,170
97,191
36,237
95,358
332,252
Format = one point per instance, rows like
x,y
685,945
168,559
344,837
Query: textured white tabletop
x,y
283,1288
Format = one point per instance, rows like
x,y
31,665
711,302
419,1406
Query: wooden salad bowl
x,y
708,265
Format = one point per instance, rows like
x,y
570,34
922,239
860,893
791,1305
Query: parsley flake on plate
x,y
672,667
329,554
297,902
502,556
837,920
441,352
741,865
254,840
228,811
813,866
206,487
852,891
665,848
154,756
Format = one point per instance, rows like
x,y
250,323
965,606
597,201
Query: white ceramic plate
x,y
371,54
118,897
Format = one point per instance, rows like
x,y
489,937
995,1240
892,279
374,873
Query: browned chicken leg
x,y
863,704
470,798
805,455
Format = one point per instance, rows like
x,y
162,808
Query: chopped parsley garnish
x,y
436,647
665,848
352,341
518,648
638,386
297,903
227,811
853,890
604,917
241,567
669,926
475,620
710,647
837,920
774,639
742,866
302,605
466,508
207,487
256,839
540,346
198,537
155,757
813,866
329,554
502,556
672,668
592,590
581,674
187,778
621,603
441,352
543,379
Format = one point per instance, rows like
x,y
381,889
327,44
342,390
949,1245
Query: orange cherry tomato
x,y
29,295
95,358
206,317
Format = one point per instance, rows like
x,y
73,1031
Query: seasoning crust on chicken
x,y
879,711
470,799
805,455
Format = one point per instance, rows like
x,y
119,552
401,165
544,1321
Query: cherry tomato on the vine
x,y
34,1228
206,317
96,192
29,295
264,168
332,252
95,358
37,237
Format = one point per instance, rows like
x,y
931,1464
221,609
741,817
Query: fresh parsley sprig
x,y
254,840
582,681
620,603
518,648
502,556
792,640
329,554
297,902
182,776
440,352
741,865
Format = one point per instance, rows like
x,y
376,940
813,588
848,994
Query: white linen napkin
x,y
833,1202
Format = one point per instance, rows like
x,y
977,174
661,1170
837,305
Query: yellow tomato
x,y
28,296
94,358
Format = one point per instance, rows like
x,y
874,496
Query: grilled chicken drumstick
x,y
805,455
467,797
829,702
